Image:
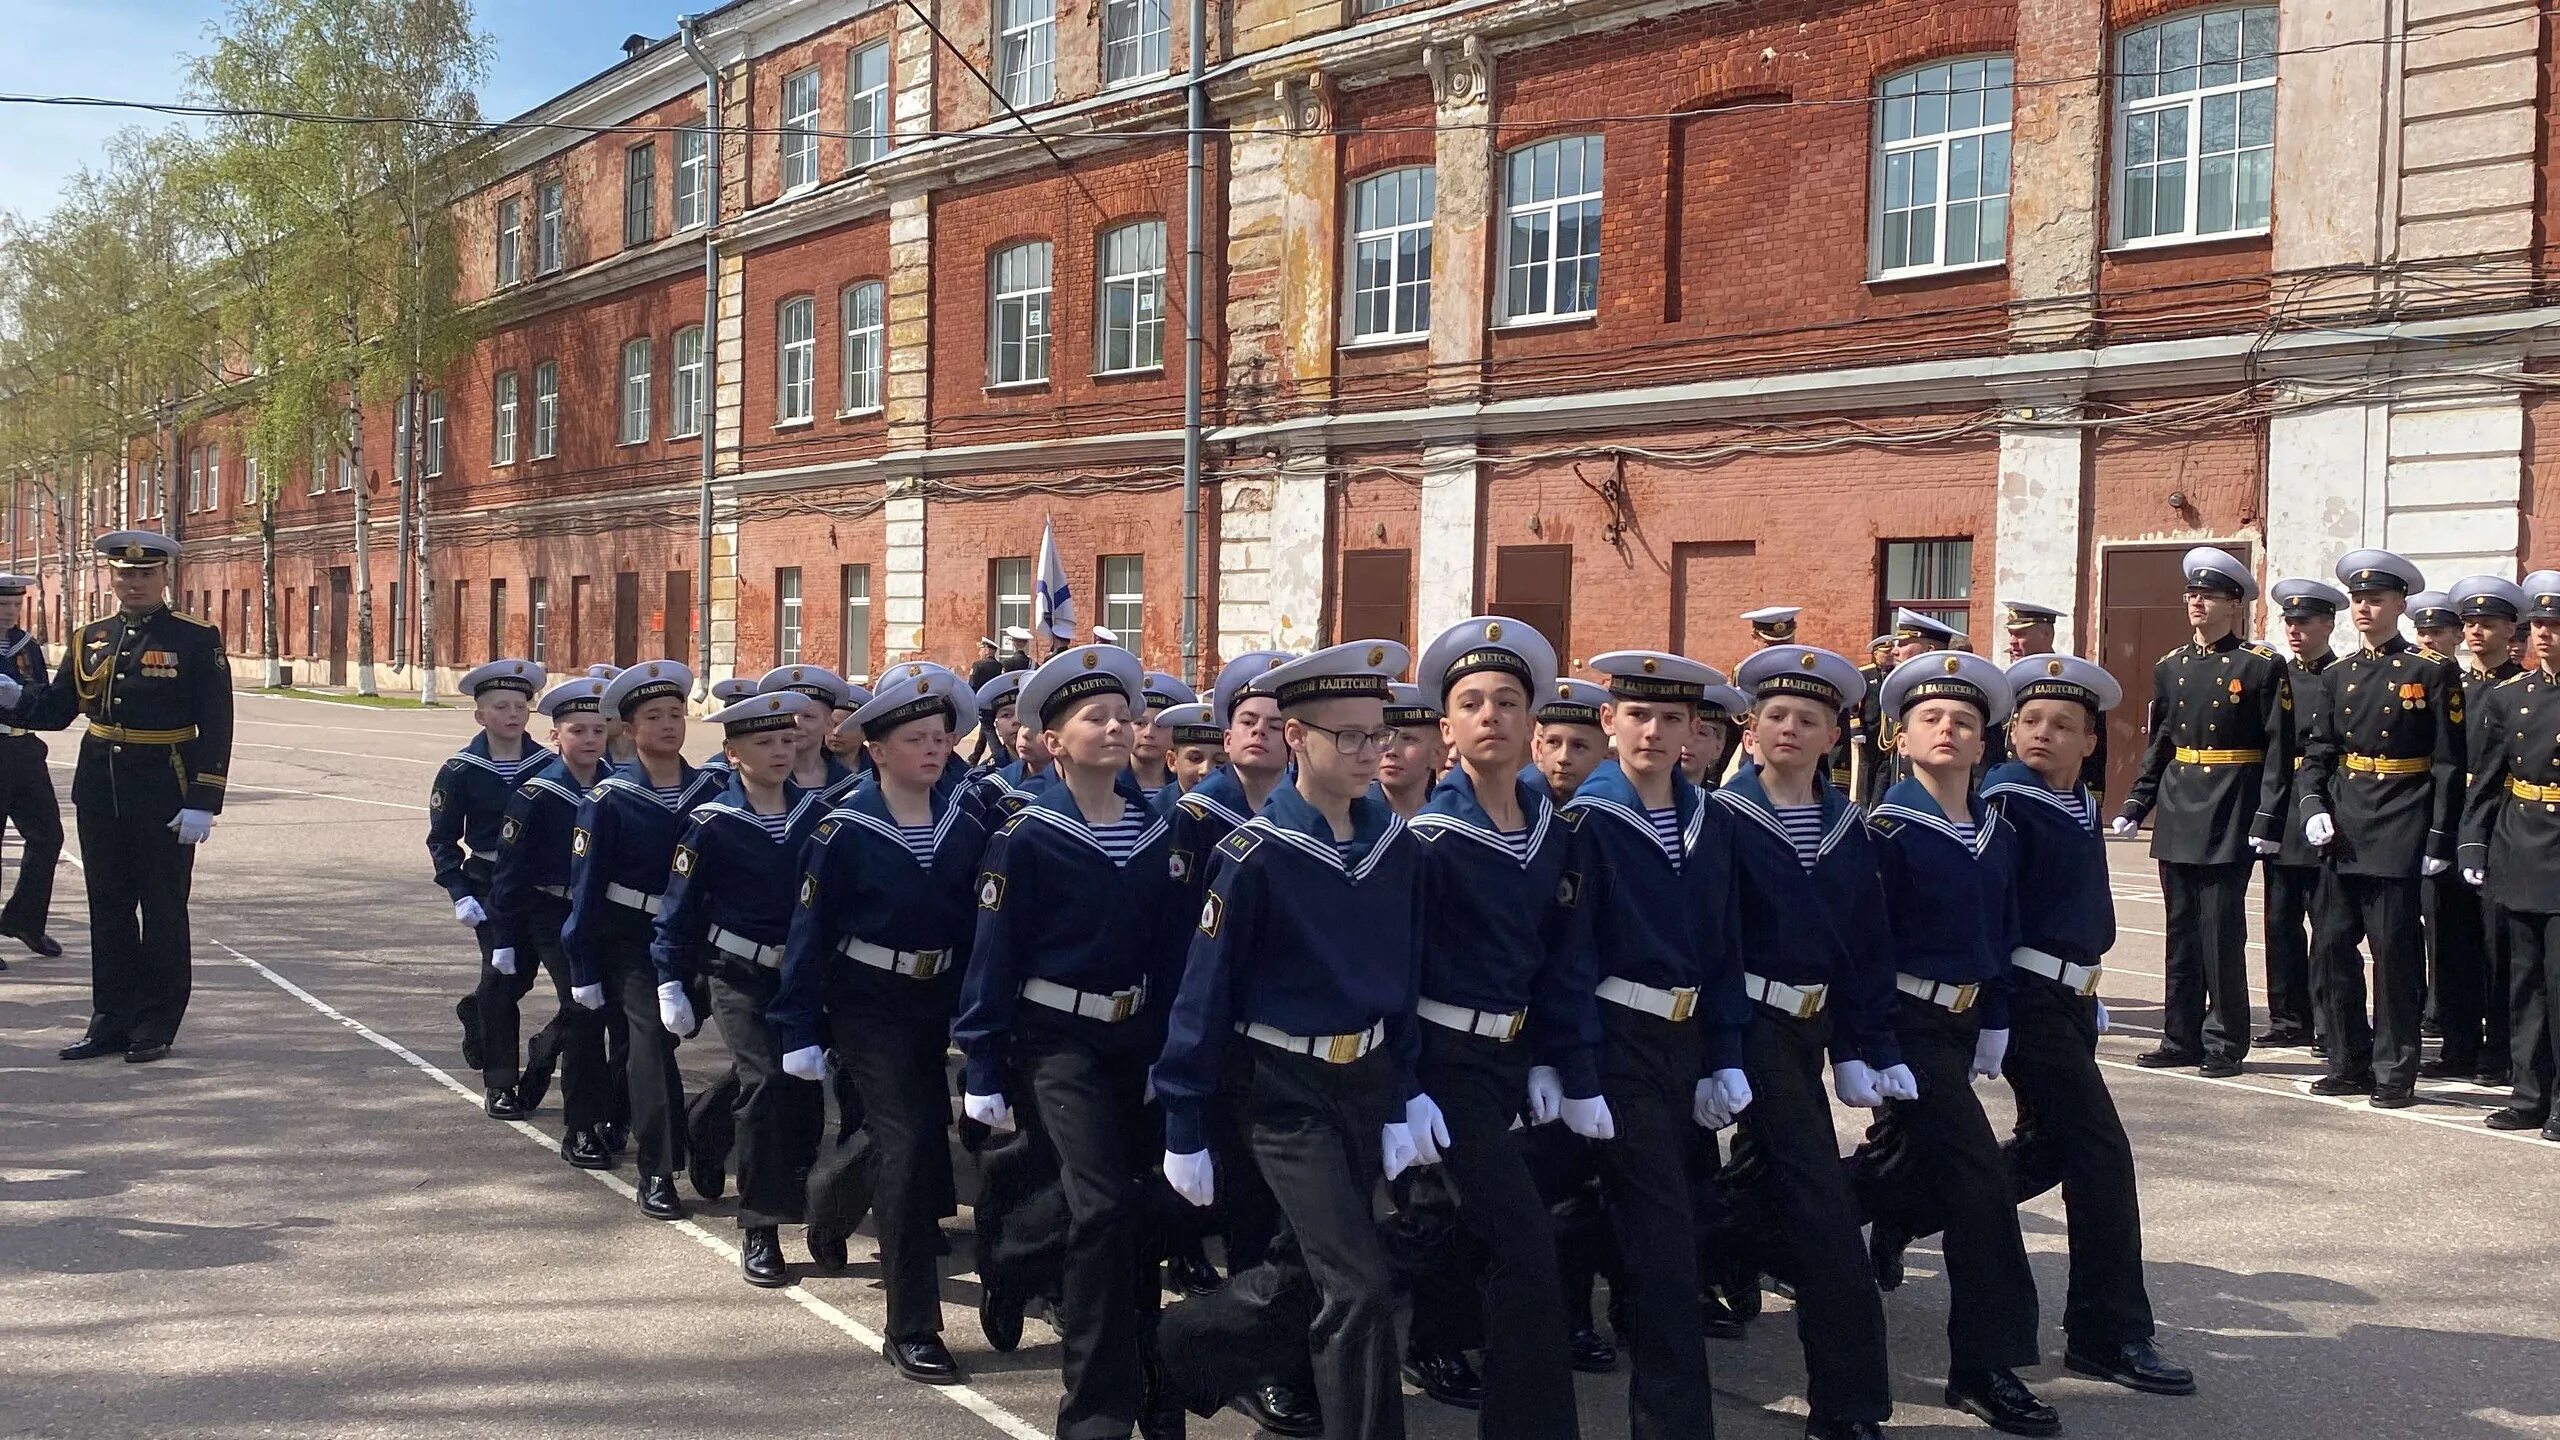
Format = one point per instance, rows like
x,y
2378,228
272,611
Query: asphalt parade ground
x,y
300,1224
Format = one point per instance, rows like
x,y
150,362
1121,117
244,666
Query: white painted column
x,y
2324,487
2036,544
1451,536
1299,542
1244,566
903,526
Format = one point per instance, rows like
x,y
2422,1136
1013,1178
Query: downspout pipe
x,y
1194,261
689,32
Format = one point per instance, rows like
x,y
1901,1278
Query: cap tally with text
x,y
1240,678
1080,673
1164,691
1573,702
1948,675
1773,624
136,549
1912,625
766,710
2026,615
1003,690
2542,595
910,691
2363,570
2211,568
1353,670
1723,700
2308,599
1655,675
815,681
2433,610
582,696
1190,725
1486,642
1805,670
2064,677
637,686
1408,705
2487,597
522,676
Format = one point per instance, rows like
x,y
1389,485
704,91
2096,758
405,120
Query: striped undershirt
x,y
2082,809
919,842
1119,839
1803,824
1964,831
1666,831
1515,841
508,770
774,825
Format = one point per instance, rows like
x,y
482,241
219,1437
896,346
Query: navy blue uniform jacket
x,y
1823,926
467,805
2065,907
1670,927
533,845
1954,905
729,871
626,835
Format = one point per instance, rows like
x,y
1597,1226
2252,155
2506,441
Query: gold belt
x,y
2388,765
2527,790
128,735
2219,757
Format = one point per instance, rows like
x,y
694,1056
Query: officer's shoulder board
x,y
2510,680
1239,843
2429,652
2263,652
198,621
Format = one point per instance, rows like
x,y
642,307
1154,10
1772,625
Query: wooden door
x,y
626,618
2143,616
1376,602
340,588
1535,583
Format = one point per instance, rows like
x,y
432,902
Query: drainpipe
x,y
1194,260
689,30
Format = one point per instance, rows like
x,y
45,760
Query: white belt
x,y
1112,1008
1331,1049
556,891
640,900
1675,1004
1955,999
922,964
1801,1001
732,943
1491,1024
2081,979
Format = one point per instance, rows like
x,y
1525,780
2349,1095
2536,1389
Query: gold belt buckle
x,y
2089,982
1123,1005
1964,999
928,963
1342,1049
1684,1001
1809,1002
1511,1031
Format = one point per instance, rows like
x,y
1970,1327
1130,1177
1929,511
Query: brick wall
x,y
821,266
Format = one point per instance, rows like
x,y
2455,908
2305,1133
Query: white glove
x,y
2102,1017
1734,1090
2431,867
192,825
809,1062
1546,1094
2266,847
1708,1107
503,959
1192,1177
468,911
1395,1148
1854,1081
1989,1049
589,996
2126,825
1896,1082
675,1010
988,1110
2319,829
1590,1119
2475,878
1430,1129
10,690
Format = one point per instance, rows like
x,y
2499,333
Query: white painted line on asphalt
x,y
2353,1103
966,1397
346,754
239,719
319,795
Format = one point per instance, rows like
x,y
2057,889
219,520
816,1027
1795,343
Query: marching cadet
x,y
1569,743
1194,747
844,738
1913,634
1309,946
528,902
2217,770
997,725
2381,794
2471,973
1854,758
153,765
1062,1008
878,942
621,854
617,741
727,912
2511,851
1148,762
2030,628
1411,763
26,787
1817,962
708,1112
815,767
1659,891
2437,623
467,811
1715,751
2290,893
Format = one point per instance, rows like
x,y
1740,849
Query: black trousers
x,y
2289,895
27,801
777,1116
500,997
2382,912
2469,995
889,1033
1314,1128
655,1086
141,957
2207,1009
1839,1315
1649,1074
2533,947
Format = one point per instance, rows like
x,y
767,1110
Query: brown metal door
x,y
626,618
2144,617
1376,602
1535,583
340,587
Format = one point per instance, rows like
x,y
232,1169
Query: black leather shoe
x,y
708,1175
2498,1079
90,1047
2320,1048
533,1085
2284,1038
1445,1377
2551,1132
2396,1097
582,1149
1591,1352
1885,1244
467,1010
2135,1366
35,940
2513,1117
760,1258
1999,1399
2442,1068
615,1135
1824,1427
502,1104
926,1361
1192,1275
2343,1085
658,1198
1721,1320
2216,1067
999,1318
2165,1058
828,1251
1280,1410
143,1052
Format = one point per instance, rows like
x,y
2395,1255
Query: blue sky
x,y
139,49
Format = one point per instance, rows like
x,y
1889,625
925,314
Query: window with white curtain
x,y
1137,39
1019,332
432,458
800,130
1131,325
546,410
1391,254
2196,126
502,420
796,360
867,104
693,177
550,228
684,411
1942,167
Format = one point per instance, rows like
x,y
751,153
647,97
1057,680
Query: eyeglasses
x,y
1352,742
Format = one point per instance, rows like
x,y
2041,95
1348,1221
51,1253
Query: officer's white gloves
x,y
1428,1127
2126,825
1854,1081
2265,847
192,826
2431,867
1990,1048
1590,1119
1395,1148
1896,1082
1719,1098
2319,829
503,959
2102,1017
1546,1094
10,690
809,1062
675,1010
988,1110
468,911
2475,878
589,996
1192,1177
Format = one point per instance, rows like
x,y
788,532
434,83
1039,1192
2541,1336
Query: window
x,y
786,615
639,194
635,391
1026,41
800,130
684,412
1021,320
866,116
859,311
1551,239
346,470
2196,126
1008,594
461,607
1137,39
249,480
1391,255
539,591
693,177
1133,297
1942,157
502,420
510,241
311,622
432,462
856,629
548,248
796,363
1124,597
213,477
195,480
319,472
497,619
546,410
1933,577
284,624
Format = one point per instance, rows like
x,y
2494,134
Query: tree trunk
x,y
423,581
267,587
363,515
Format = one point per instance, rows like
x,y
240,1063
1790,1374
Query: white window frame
x,y
510,240
855,620
1018,315
861,322
432,463
1401,241
249,481
1124,606
1137,40
684,406
800,102
795,361
538,625
1581,205
1027,51
788,628
693,177
1013,607
195,479
550,235
346,471
633,427
1131,263
213,477
546,410
866,105
1920,144
319,471
2145,103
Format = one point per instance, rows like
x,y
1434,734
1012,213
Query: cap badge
x,y
1651,665
1377,654
1806,660
1092,658
1954,665
924,687
915,671
773,704
2053,667
1493,630
653,672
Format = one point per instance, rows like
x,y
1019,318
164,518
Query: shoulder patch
x,y
435,797
508,831
1011,824
1178,864
1239,843
684,860
990,891
1570,819
578,841
1569,889
2263,652
1884,824
1213,913
827,829
808,892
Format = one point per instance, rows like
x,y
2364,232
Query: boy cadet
x,y
1149,759
1411,763
26,786
1715,750
1194,747
2218,768
998,727
1818,963
466,805
2291,878
2511,850
1309,947
814,767
2381,794
1913,634
2030,628
2470,971
1569,744
1659,887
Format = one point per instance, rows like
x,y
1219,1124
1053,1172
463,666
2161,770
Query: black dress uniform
x,y
2468,966
2511,849
528,904
157,755
466,813
26,798
2290,879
